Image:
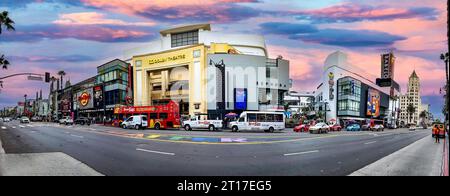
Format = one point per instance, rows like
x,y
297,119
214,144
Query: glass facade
x,y
184,39
349,97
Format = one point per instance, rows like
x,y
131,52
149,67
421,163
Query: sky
x,y
78,35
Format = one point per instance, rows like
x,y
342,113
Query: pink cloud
x,y
94,18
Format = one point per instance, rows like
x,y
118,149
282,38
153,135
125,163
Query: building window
x,y
138,63
184,39
197,54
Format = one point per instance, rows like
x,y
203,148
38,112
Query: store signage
x,y
84,98
387,66
98,97
167,59
331,85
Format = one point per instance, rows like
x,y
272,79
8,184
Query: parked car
x,y
365,127
319,128
336,127
353,127
67,120
36,119
137,122
7,119
302,128
438,127
392,126
24,120
202,122
412,127
82,121
377,128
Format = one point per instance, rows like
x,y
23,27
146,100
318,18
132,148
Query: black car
x,y
82,121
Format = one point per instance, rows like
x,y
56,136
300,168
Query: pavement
x,y
422,158
118,152
42,164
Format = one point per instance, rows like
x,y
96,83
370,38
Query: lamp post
x,y
221,67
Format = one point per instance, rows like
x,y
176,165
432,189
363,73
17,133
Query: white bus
x,y
260,121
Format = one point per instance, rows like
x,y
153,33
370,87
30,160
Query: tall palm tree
x,y
61,74
411,110
6,22
3,62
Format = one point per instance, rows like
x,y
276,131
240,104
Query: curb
x,y
2,151
445,159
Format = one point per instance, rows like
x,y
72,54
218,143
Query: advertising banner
x,y
98,97
240,99
373,103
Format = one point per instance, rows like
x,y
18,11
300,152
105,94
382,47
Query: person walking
x,y
436,135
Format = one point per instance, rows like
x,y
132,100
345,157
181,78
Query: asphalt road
x,y
261,154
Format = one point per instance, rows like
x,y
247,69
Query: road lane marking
x,y
370,143
3,127
301,153
157,152
13,127
21,126
78,136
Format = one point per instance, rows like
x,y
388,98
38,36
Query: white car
x,y
66,120
412,127
202,122
377,128
7,120
137,122
24,120
319,128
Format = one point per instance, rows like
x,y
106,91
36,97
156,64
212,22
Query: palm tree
x,y
411,110
62,74
6,22
3,62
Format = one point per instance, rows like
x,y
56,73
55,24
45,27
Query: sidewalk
x,y
422,158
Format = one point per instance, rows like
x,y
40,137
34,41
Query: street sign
x,y
36,78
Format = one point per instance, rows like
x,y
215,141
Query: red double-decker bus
x,y
165,115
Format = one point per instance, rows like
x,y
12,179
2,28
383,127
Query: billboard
x,y
387,66
373,103
98,97
85,99
240,99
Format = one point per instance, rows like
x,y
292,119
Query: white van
x,y
136,122
260,121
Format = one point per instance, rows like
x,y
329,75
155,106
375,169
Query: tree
x,y
8,24
61,74
411,110
3,62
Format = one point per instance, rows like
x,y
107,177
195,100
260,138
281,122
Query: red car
x,y
336,127
302,128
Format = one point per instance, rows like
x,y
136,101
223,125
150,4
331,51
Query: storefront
x,y
177,75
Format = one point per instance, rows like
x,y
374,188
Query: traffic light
x,y
47,77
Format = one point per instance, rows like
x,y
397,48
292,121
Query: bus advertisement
x,y
163,116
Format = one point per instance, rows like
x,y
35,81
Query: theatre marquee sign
x,y
167,59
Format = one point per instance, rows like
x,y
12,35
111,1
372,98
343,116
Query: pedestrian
x,y
436,135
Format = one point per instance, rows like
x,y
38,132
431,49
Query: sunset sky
x,y
78,35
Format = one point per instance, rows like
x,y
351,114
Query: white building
x,y
299,102
413,97
344,93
